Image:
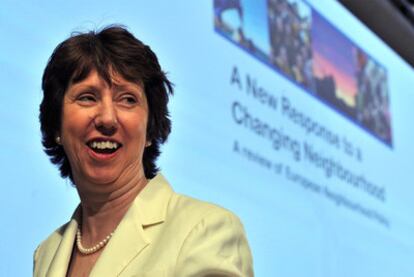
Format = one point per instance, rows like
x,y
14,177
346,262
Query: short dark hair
x,y
111,49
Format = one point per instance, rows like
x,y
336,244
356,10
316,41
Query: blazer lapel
x,y
153,201
60,262
129,238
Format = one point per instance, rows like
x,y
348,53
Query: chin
x,y
101,177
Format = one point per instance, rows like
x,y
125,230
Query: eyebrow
x,y
117,88
125,87
80,86
132,88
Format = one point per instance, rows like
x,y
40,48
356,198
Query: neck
x,y
102,210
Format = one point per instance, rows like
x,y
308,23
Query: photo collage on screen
x,y
296,41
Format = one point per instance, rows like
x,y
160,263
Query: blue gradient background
x,y
291,231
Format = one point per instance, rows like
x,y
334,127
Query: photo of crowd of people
x,y
372,100
310,51
289,33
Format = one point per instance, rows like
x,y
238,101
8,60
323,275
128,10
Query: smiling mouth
x,y
104,146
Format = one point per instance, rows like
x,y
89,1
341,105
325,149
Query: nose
x,y
106,119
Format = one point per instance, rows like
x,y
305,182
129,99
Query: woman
x,y
103,117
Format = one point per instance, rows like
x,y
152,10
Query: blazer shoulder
x,y
50,243
189,212
213,242
195,209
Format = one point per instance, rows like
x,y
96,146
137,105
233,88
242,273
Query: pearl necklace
x,y
93,249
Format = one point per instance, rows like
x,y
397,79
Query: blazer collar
x,y
128,240
60,261
152,202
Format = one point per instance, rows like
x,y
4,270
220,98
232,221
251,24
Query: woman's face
x,y
103,129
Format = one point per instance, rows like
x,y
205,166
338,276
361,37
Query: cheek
x,y
136,126
73,130
69,130
141,133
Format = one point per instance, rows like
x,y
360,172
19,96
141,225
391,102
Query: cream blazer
x,y
162,234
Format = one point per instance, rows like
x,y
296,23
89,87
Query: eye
x,y
86,98
128,99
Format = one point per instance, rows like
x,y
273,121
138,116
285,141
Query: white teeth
x,y
104,145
